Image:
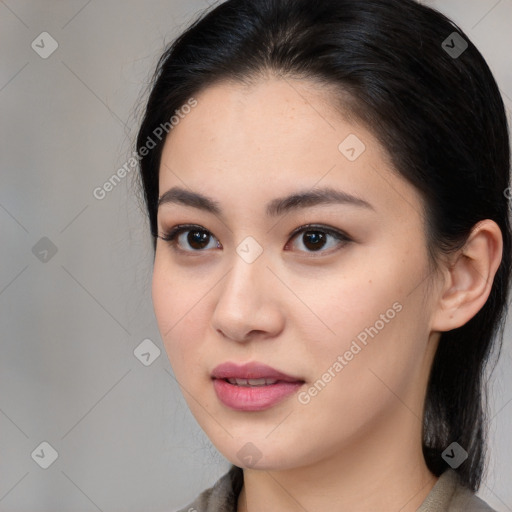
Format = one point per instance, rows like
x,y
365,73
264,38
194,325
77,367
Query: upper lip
x,y
252,370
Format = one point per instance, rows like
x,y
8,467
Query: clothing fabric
x,y
447,495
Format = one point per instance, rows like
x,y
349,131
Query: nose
x,y
249,304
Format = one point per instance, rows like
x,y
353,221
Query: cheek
x,y
354,384
344,305
178,310
370,285
164,295
370,318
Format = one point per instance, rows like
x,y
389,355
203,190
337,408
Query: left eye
x,y
316,238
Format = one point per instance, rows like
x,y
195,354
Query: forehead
x,y
273,137
271,117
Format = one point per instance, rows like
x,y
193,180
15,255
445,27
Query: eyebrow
x,y
299,200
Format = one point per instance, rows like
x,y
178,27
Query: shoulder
x,y
466,500
449,495
221,497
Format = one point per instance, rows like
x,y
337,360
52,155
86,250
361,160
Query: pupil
x,y
316,238
197,238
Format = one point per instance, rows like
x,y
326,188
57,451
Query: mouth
x,y
252,374
251,382
253,386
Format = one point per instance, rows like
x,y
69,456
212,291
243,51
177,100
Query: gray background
x,y
70,321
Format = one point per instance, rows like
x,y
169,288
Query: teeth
x,y
252,382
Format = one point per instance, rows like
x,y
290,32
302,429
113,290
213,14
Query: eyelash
x,y
171,236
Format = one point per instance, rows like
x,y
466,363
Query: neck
x,y
381,470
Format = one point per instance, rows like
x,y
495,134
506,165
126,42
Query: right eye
x,y
194,236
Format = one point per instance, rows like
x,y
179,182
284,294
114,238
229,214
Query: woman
x,y
325,183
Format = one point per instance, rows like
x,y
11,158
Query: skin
x,y
357,444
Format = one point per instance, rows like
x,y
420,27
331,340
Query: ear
x,y
469,276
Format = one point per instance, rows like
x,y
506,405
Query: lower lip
x,y
253,398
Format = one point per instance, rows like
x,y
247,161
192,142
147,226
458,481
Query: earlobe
x,y
469,277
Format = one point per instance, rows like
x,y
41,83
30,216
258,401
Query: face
x,y
328,290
